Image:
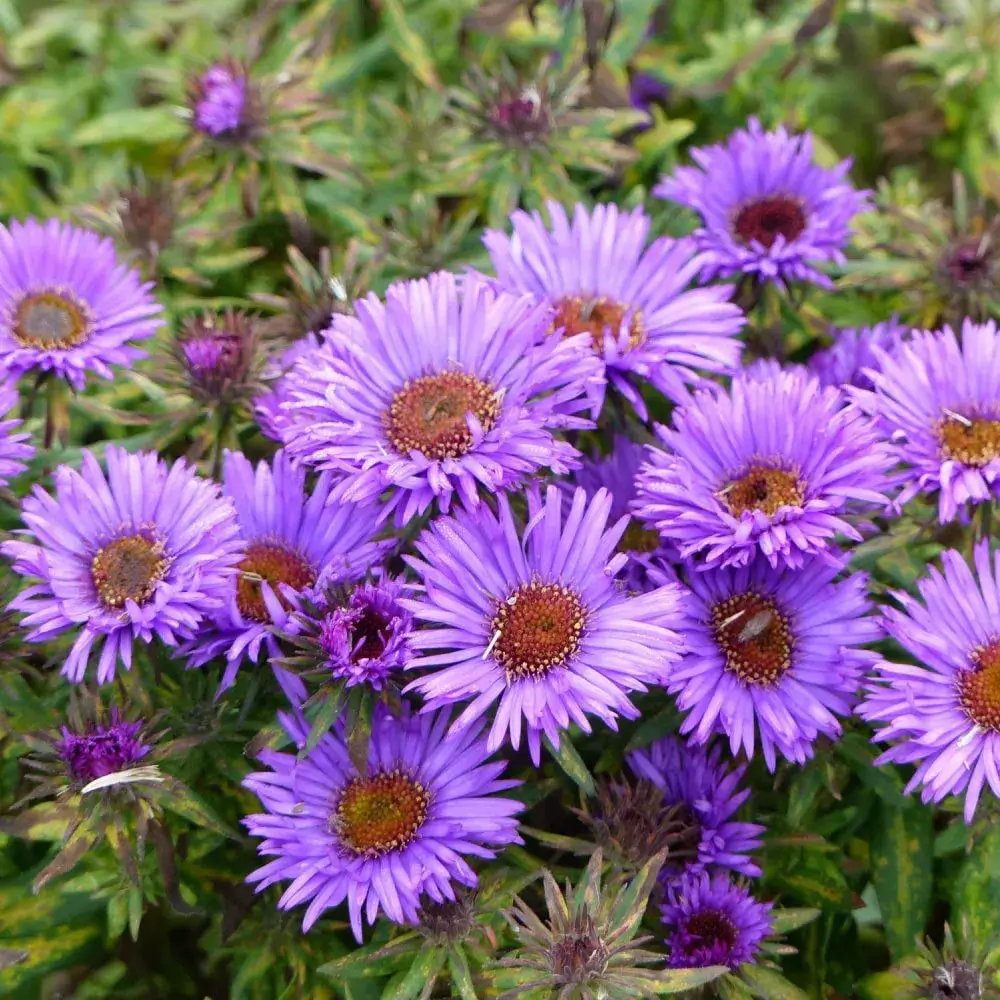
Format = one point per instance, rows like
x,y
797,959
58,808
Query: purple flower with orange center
x,y
15,448
385,837
145,552
67,305
295,545
937,400
767,210
853,351
774,652
944,713
713,921
445,387
776,466
629,298
535,621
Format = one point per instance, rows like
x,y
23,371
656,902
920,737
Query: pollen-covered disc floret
x,y
767,210
535,621
146,550
387,838
629,296
775,466
447,387
944,713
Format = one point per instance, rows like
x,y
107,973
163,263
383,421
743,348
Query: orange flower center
x,y
765,220
128,569
50,320
380,814
275,564
594,316
973,442
764,489
754,637
979,688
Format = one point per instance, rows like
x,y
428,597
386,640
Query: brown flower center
x,y
429,414
979,688
711,927
580,955
380,814
275,564
972,441
764,489
372,627
128,569
594,316
535,629
50,320
765,220
754,636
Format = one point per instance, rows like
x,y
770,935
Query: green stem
x,y
56,412
222,438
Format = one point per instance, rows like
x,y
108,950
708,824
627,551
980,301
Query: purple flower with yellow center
x,y
15,448
445,387
67,306
295,545
713,921
627,299
938,402
385,837
944,714
145,552
767,210
101,749
774,652
219,101
853,351
535,621
697,781
775,466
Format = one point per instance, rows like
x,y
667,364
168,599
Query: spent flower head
x,y
955,971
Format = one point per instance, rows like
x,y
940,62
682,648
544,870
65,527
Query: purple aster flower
x,y
944,715
15,449
145,552
938,402
296,544
775,465
385,837
773,650
269,406
853,351
219,101
697,780
102,749
713,921
767,210
534,619
443,388
627,301
67,305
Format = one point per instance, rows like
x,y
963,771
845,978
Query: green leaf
x,y
902,853
812,877
425,969
566,756
772,985
461,974
783,921
976,894
409,44
145,125
680,980
374,960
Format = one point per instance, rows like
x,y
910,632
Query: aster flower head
x,y
223,103
713,921
695,781
937,400
533,619
955,971
629,298
944,713
773,652
387,837
294,545
853,351
774,466
102,749
144,551
445,387
767,210
67,306
15,446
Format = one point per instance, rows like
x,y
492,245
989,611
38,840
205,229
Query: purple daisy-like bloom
x,y
944,715
852,352
535,620
15,449
67,306
220,99
383,838
296,544
773,650
767,210
628,301
713,921
938,402
773,466
101,750
446,387
145,552
697,779
269,406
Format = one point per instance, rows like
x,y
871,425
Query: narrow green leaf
x,y
409,44
770,984
374,960
783,921
146,125
425,969
461,974
680,980
326,715
571,762
976,894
